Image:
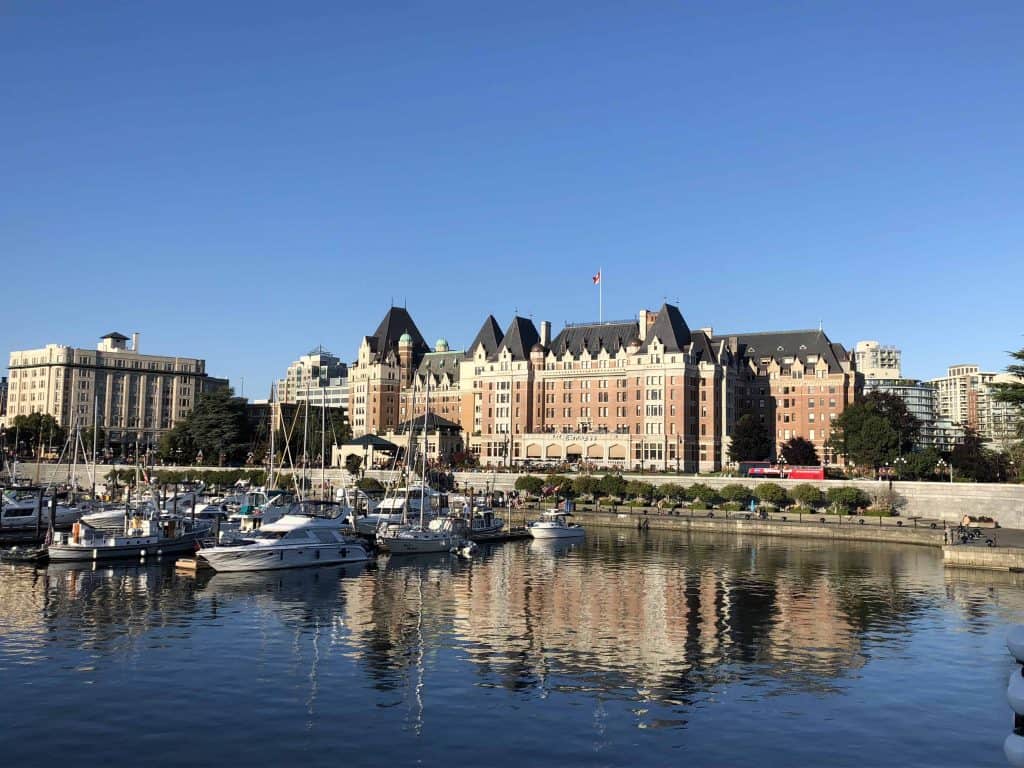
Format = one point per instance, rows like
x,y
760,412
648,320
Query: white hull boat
x,y
23,513
554,524
294,541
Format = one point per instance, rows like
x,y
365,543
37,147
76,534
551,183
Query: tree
x,y
177,445
670,491
771,493
369,485
1013,391
751,440
353,463
740,494
806,495
34,430
875,430
703,492
637,489
87,437
529,484
800,452
972,460
613,485
847,498
586,485
559,485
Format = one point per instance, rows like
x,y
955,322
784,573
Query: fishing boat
x,y
555,524
149,535
311,534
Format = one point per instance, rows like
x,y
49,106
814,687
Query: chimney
x,y
135,342
708,330
545,333
646,317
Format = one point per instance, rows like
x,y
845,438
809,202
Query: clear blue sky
x,y
243,181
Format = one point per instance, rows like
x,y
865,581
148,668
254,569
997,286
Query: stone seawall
x,y
988,558
828,530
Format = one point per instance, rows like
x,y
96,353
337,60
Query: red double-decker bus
x,y
763,469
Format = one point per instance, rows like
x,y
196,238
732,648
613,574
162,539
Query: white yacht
x,y
401,505
555,524
21,512
150,536
308,535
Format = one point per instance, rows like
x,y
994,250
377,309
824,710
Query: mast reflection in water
x,y
619,649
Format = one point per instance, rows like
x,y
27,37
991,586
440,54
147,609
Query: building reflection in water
x,y
660,618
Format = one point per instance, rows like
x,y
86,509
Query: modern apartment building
x,y
877,362
966,398
317,376
135,397
921,399
649,392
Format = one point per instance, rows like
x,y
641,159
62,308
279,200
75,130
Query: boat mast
x,y
95,433
323,442
273,404
423,478
305,441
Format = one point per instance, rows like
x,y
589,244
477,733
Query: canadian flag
x,y
597,278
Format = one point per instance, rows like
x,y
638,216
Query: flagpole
x,y
600,294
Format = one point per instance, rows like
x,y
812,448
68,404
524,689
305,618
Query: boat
x,y
466,549
149,535
311,534
21,512
555,524
480,522
401,505
409,538
24,555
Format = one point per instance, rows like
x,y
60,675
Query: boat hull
x,y
148,548
539,532
247,558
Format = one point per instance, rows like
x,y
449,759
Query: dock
x,y
509,534
191,565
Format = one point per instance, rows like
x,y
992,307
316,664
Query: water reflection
x,y
653,627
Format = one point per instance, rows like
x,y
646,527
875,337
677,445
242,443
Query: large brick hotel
x,y
650,392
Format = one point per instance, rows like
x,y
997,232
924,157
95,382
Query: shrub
x,y
369,484
807,495
771,493
612,485
639,490
529,484
586,485
702,492
737,493
698,504
732,506
671,491
847,497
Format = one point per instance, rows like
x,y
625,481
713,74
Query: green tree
x,y
671,491
353,462
530,484
919,465
177,445
637,489
800,452
559,485
87,433
613,485
875,430
751,440
1013,391
735,492
972,460
586,485
35,430
847,498
218,426
771,493
702,492
806,495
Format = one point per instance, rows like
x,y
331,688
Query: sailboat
x,y
418,538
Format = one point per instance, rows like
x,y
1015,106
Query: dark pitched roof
x,y
700,347
434,422
592,337
115,336
520,338
396,322
795,344
372,441
441,363
670,328
489,335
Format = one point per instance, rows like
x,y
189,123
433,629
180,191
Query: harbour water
x,y
656,648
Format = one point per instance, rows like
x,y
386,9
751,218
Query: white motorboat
x,y
307,536
407,539
465,550
555,524
149,536
22,512
401,505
